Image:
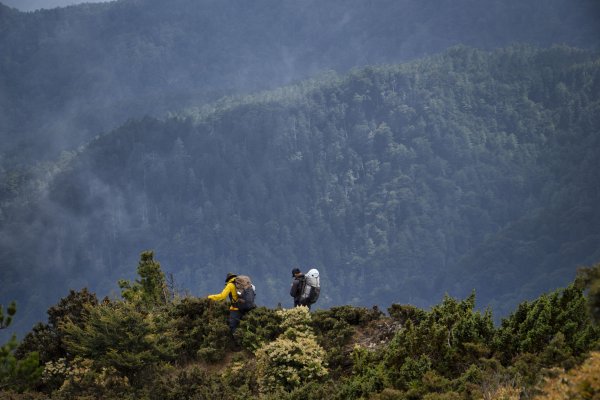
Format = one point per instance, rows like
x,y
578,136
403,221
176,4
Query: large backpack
x,y
311,289
246,293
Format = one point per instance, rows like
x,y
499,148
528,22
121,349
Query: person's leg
x,y
234,320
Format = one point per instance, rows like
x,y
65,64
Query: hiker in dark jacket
x,y
297,285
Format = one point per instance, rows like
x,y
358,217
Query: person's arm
x,y
229,288
294,288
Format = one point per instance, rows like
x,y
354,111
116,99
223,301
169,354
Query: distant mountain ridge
x,y
467,170
71,73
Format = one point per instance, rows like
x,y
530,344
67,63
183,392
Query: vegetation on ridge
x,y
156,347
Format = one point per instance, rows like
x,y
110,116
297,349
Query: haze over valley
x,y
408,149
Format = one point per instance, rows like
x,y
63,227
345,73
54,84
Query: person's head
x,y
296,271
229,276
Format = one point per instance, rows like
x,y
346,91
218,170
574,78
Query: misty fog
x,y
88,90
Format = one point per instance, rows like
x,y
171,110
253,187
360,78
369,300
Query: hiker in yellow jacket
x,y
230,291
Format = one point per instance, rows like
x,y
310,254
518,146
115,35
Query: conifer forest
x,y
436,161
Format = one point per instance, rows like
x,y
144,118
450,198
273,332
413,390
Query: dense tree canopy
x,y
468,170
68,74
469,173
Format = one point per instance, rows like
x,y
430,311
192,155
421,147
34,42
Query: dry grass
x,y
582,382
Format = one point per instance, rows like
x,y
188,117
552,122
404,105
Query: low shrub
x,y
201,326
258,327
294,358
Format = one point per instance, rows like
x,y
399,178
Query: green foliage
x,y
589,279
259,327
577,384
11,395
151,288
148,71
355,316
80,379
294,358
398,178
556,326
16,373
46,339
453,351
368,375
194,383
434,354
404,313
121,336
336,326
131,338
126,350
201,327
470,164
450,338
314,390
10,312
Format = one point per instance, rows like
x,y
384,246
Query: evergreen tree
x,y
5,320
589,279
46,338
120,335
151,288
16,373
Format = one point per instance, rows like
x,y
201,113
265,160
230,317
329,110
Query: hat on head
x,y
295,271
229,276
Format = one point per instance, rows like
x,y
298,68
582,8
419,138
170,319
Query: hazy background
x,y
472,168
31,5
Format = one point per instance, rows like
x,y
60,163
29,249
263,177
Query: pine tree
x,y
589,278
16,374
151,288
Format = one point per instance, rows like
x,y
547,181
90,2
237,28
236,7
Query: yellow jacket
x,y
229,289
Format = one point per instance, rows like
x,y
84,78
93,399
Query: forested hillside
x,y
470,170
71,73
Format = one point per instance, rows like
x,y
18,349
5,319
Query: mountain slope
x,y
400,183
71,73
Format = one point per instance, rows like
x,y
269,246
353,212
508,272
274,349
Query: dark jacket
x,y
296,289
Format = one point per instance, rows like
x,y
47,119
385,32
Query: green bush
x,y
201,327
46,339
555,326
452,336
81,380
405,312
589,279
335,328
133,350
151,287
294,358
18,374
122,336
191,383
350,314
10,395
243,377
258,327
367,375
